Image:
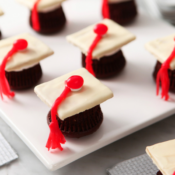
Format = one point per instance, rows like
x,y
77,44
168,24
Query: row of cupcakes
x,y
100,46
48,17
101,55
85,116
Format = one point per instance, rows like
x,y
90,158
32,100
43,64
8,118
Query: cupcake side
x,y
46,17
121,11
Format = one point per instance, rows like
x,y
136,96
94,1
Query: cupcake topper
x,y
56,138
100,30
20,44
105,9
162,76
35,17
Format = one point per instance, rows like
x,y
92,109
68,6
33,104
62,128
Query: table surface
x,y
126,148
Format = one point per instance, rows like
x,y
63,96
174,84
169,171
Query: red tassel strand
x,y
35,16
162,77
105,9
56,138
100,30
20,44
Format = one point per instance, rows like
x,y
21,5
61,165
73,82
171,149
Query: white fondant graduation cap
x,y
92,94
163,156
35,52
1,12
116,37
162,48
43,4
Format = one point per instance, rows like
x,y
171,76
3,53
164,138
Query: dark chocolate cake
x,y
171,74
107,66
123,12
24,79
51,22
82,124
159,173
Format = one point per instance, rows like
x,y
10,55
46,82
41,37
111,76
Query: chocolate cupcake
x,y
107,57
122,11
163,156
46,17
80,125
20,57
75,100
164,72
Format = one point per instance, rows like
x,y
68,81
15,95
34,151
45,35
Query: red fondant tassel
x,y
100,30
162,77
35,16
56,138
105,9
89,55
4,85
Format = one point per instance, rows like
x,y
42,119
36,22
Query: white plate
x,y
134,106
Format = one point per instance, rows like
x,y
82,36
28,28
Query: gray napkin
x,y
141,165
7,154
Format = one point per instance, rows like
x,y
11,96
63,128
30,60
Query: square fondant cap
x,y
116,37
92,94
163,156
43,4
35,52
162,48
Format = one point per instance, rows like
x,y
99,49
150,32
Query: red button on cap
x,y
75,82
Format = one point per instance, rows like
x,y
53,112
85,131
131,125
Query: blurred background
x,y
159,9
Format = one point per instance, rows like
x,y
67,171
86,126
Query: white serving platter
x,y
133,107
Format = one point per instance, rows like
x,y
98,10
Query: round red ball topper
x,y
75,83
100,29
20,44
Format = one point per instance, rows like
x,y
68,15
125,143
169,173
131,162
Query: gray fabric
x,y
141,165
7,154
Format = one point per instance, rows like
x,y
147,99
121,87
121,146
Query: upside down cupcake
x,y
164,73
46,16
163,156
19,63
101,47
121,11
75,100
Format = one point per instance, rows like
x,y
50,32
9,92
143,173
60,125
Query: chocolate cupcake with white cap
x,y
19,62
75,100
163,156
164,73
101,47
121,11
46,16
